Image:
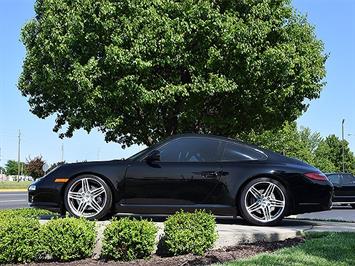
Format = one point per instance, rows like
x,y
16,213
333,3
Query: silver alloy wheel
x,y
86,197
265,201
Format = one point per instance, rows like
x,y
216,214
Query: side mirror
x,y
153,156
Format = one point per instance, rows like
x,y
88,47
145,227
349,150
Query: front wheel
x,y
88,196
263,201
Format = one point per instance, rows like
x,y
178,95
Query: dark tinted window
x,y
190,149
348,180
335,179
240,152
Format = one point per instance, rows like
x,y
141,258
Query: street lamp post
x,y
342,137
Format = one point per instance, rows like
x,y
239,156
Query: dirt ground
x,y
213,256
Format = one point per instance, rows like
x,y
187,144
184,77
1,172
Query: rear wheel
x,y
263,201
88,196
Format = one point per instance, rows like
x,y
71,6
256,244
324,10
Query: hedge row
x,y
19,240
184,233
127,239
25,240
189,233
69,238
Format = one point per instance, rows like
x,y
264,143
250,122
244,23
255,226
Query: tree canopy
x,y
324,153
11,167
55,165
331,149
141,70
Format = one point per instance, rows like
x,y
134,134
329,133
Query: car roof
x,y
203,136
200,135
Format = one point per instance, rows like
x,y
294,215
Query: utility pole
x,y
62,152
19,155
0,163
342,137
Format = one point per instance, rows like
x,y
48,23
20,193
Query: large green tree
x,y
289,140
11,167
141,70
302,143
331,149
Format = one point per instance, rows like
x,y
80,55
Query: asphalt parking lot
x,y
9,200
342,213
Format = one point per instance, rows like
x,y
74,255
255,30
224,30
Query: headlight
x,y
32,188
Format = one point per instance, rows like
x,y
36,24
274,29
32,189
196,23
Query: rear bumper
x,y
344,200
312,207
314,197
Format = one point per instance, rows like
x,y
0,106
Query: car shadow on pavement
x,y
219,220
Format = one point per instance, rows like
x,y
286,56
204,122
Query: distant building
x,y
4,177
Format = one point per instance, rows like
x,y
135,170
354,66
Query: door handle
x,y
207,174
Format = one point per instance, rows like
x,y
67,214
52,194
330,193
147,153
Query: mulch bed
x,y
213,256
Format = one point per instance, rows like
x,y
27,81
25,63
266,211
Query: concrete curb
x,y
233,234
100,228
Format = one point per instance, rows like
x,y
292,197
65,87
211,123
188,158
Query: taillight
x,y
316,176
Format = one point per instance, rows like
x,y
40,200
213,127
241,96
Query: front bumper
x,y
46,195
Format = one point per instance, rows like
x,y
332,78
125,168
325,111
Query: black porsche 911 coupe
x,y
188,172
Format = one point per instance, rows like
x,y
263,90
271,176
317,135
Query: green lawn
x,y
319,249
23,212
14,184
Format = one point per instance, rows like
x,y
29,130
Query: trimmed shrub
x,y
25,213
69,238
127,239
189,233
19,240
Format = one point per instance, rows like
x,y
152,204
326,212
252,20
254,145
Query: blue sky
x,y
335,26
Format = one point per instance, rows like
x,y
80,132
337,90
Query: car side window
x,y
348,180
190,149
335,179
240,152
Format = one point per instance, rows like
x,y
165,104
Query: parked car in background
x,y
344,188
188,172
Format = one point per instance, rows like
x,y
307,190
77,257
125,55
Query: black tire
x,y
280,213
106,205
352,205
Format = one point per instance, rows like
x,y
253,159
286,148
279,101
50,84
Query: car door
x,y
186,174
237,159
347,190
336,180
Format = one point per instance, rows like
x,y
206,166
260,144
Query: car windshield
x,y
144,151
138,154
334,178
348,179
